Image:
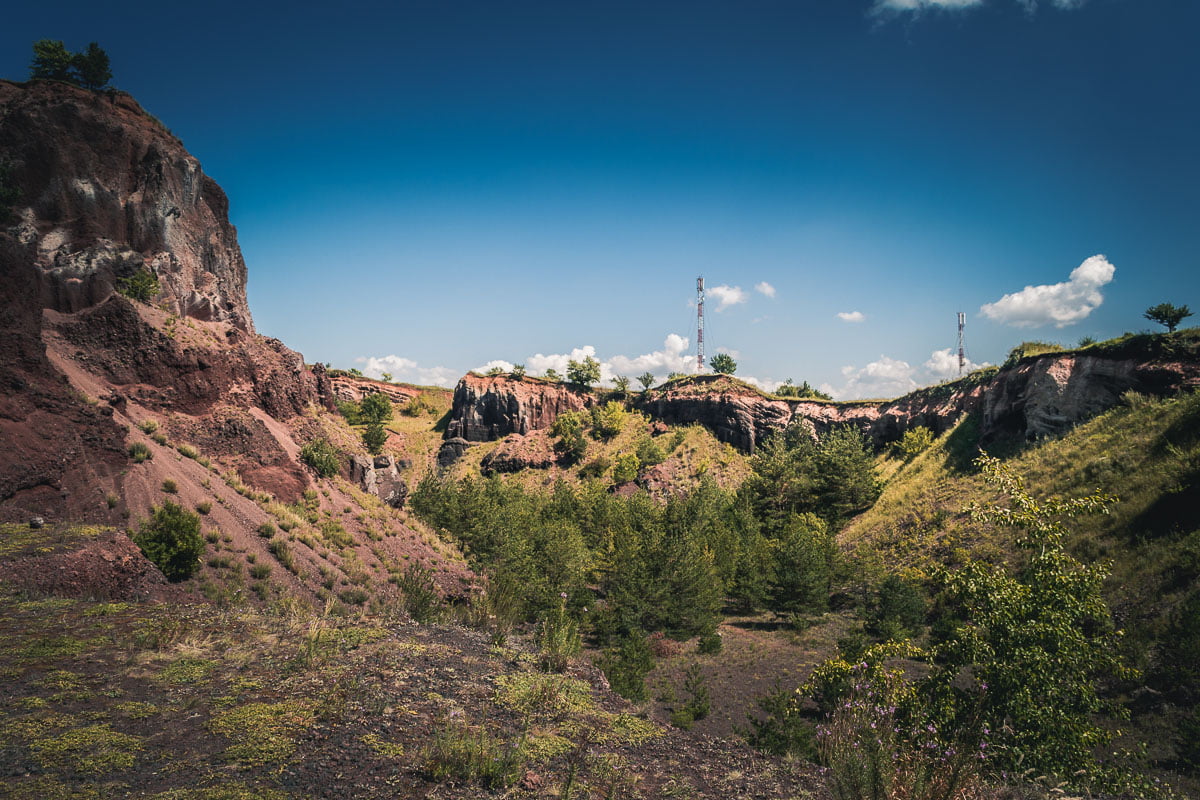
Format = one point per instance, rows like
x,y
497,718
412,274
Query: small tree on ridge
x,y
1168,315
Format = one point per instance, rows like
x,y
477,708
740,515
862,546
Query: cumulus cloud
x,y
1060,304
673,357
726,296
765,289
915,7
890,377
505,366
851,316
405,370
887,377
943,365
766,384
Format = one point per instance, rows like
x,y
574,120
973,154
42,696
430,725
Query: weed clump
x,y
139,452
322,457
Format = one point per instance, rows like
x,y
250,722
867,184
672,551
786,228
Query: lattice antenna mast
x,y
700,324
962,347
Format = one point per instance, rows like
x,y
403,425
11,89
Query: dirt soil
x,y
151,699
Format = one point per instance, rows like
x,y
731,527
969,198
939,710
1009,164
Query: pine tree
x,y
92,67
51,61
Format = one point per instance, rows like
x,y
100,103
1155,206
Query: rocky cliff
x,y
1036,397
104,191
491,407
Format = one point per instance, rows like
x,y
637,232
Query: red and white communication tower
x,y
700,324
962,348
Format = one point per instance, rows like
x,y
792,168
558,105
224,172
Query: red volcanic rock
x,y
534,450
106,190
492,407
347,388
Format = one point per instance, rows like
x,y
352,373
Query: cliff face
x,y
487,408
1037,397
105,191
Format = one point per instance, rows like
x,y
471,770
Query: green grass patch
x,y
262,733
91,750
187,671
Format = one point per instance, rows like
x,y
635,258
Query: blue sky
x,y
435,186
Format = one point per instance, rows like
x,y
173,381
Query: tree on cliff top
x,y
92,67
53,61
1167,314
585,372
723,363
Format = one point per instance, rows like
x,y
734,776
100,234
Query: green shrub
x,y
260,572
170,486
627,665
608,420
139,452
458,751
204,507
709,643
283,554
142,286
349,410
171,540
649,453
568,429
558,638
148,426
626,468
322,457
353,596
784,730
376,407
188,451
699,702
266,530
374,438
914,442
421,598
595,468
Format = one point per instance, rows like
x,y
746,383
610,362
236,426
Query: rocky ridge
x,y
1036,397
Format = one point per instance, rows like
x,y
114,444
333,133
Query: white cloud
x,y
505,366
726,296
765,289
1060,304
730,352
405,370
887,377
943,365
890,377
673,357
766,384
851,316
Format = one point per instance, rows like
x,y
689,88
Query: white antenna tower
x,y
962,349
700,324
